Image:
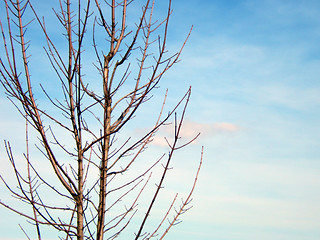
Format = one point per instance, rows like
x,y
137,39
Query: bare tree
x,y
81,129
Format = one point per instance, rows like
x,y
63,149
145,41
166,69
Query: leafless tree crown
x,y
97,180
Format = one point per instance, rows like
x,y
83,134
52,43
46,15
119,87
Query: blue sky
x,y
255,65
254,71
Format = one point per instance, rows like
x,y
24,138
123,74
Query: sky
x,y
254,71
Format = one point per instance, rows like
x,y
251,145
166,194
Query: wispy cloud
x,y
264,197
191,129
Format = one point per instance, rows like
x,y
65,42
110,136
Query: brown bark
x,y
84,214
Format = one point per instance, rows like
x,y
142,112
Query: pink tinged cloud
x,y
191,129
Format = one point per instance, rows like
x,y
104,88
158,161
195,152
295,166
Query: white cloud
x,y
191,129
269,195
